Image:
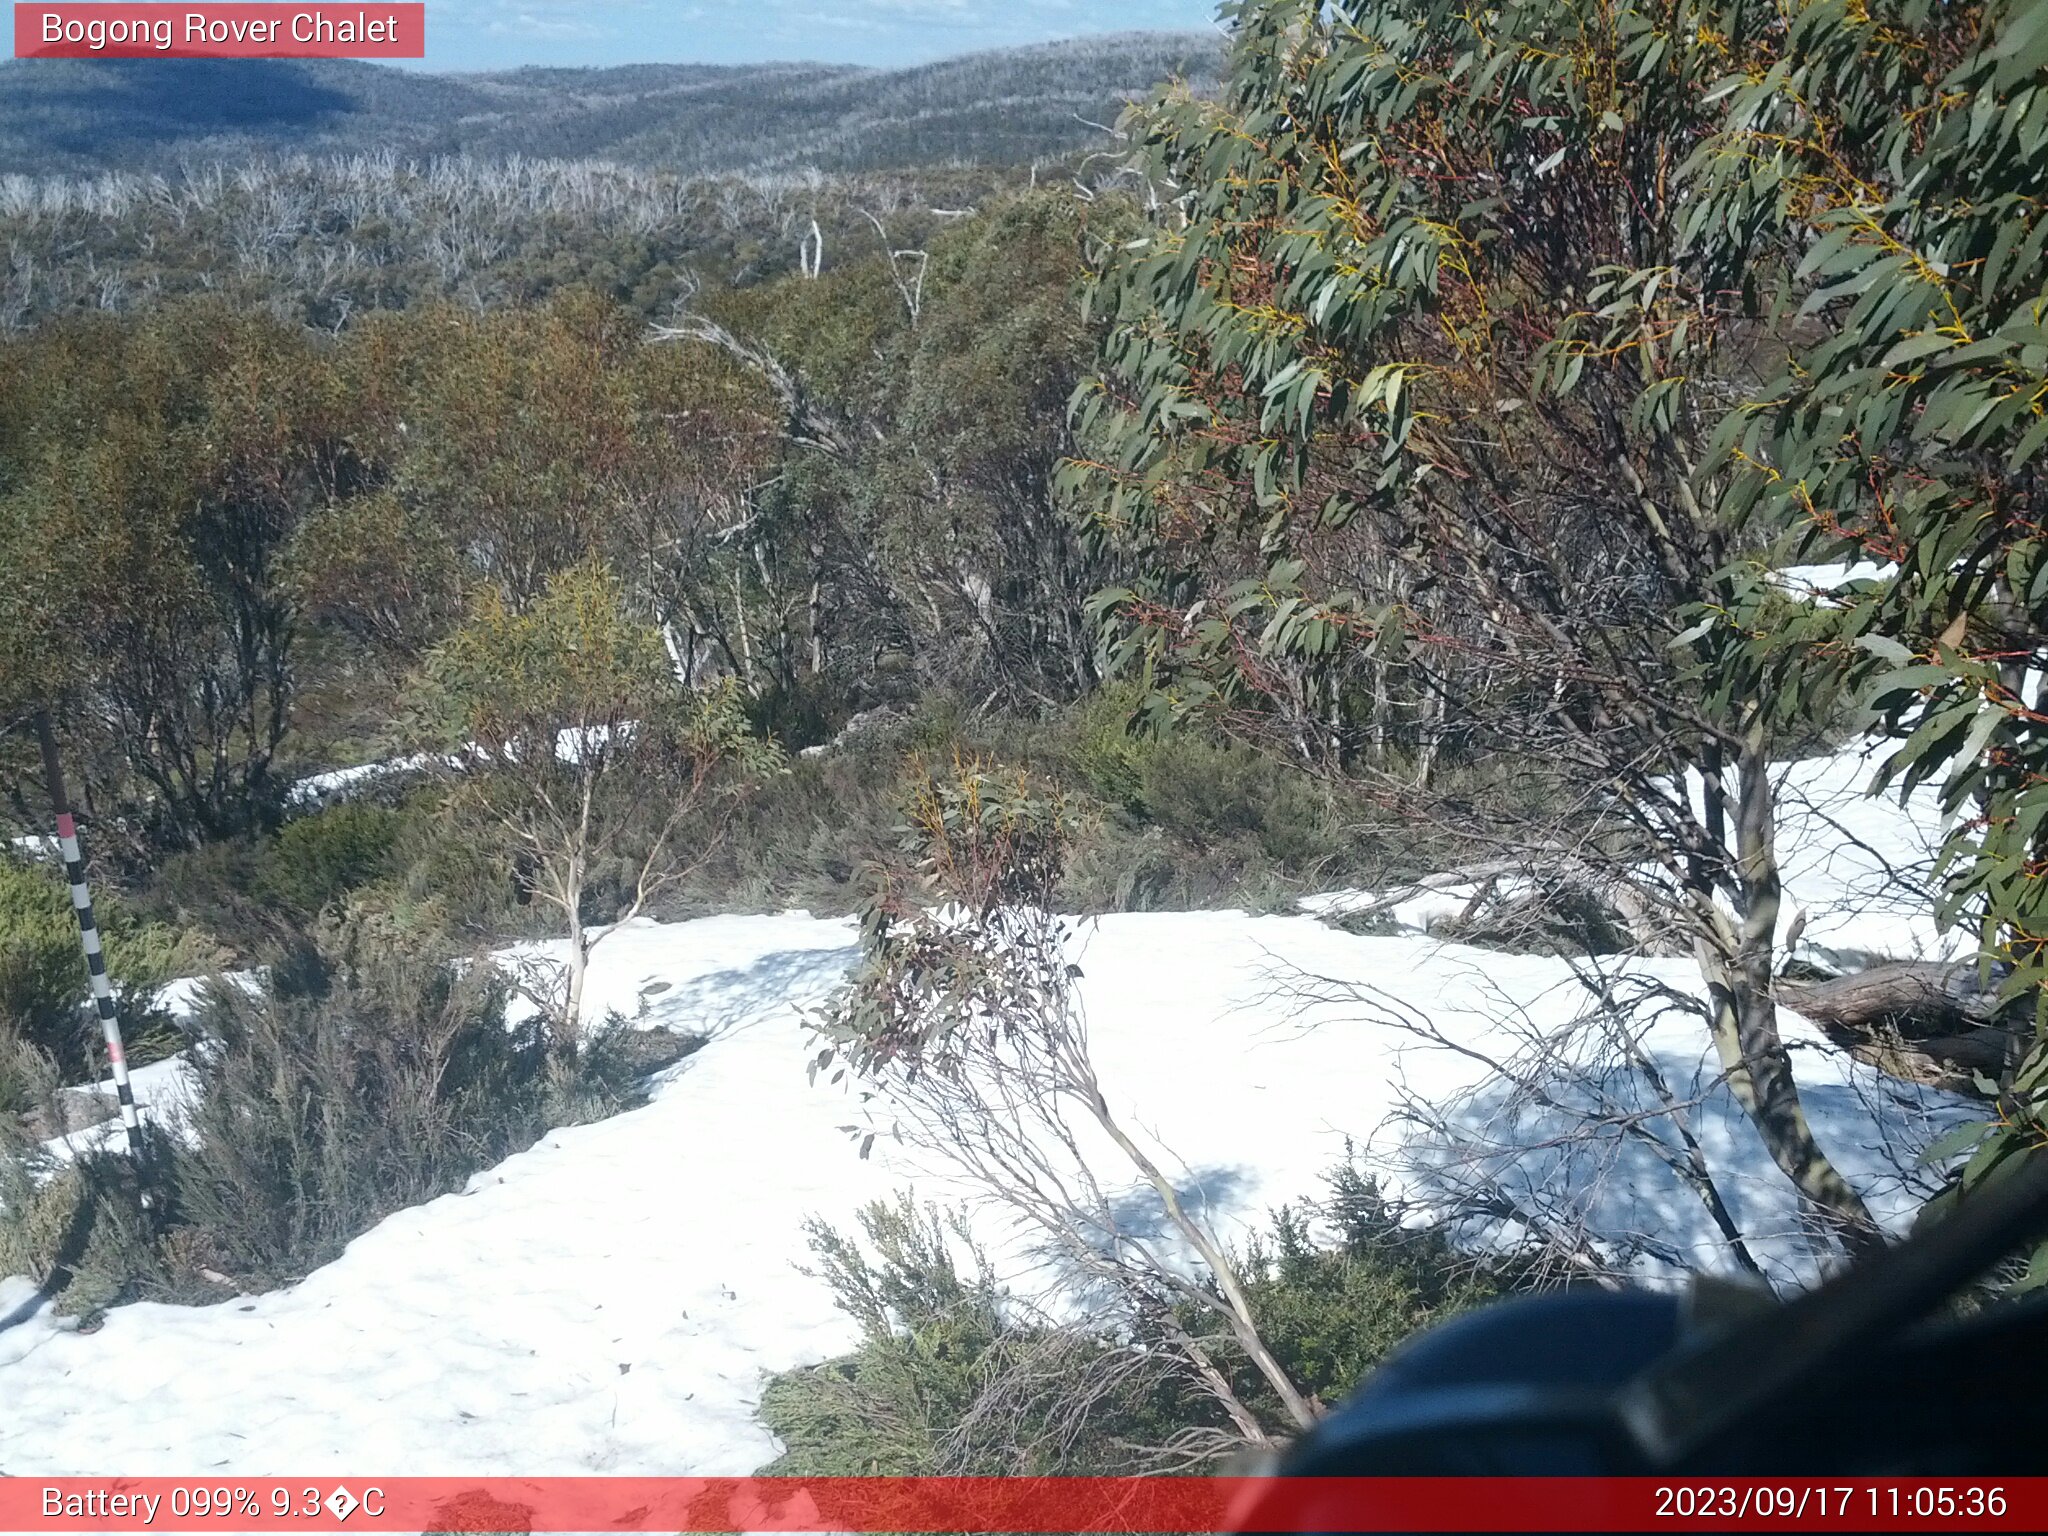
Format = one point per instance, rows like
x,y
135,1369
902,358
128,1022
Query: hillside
x,y
1005,107
597,1341
701,764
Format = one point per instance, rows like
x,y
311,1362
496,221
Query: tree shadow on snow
x,y
1137,1215
1596,1167
721,1003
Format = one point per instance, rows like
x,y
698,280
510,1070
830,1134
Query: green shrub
x,y
214,889
42,973
73,1226
460,865
1194,821
1212,794
804,838
44,990
1106,753
948,1379
607,1069
1182,822
951,1377
42,1216
1332,1310
1179,821
318,859
1119,867
78,1228
927,1337
366,1076
351,1086
254,894
28,1078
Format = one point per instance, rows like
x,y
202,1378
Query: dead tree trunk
x,y
1926,1022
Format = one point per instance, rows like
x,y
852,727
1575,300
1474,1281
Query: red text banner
x,y
243,31
967,1504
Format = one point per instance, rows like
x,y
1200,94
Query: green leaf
x,y
1886,647
1954,1143
2022,46
1911,679
1914,347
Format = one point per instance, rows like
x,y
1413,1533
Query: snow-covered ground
x,y
1857,872
612,1300
1819,580
163,1093
339,784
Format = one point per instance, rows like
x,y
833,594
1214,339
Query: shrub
x,y
804,838
42,973
460,867
951,1376
1566,919
1109,757
84,1234
41,1211
1179,821
72,1226
28,1078
1216,793
213,888
44,992
1148,832
423,856
318,859
604,1070
1334,1309
948,1379
366,1076
1118,867
927,1336
254,894
353,1085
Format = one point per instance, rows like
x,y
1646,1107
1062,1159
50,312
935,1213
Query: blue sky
x,y
503,34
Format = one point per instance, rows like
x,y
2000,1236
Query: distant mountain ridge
x,y
1007,107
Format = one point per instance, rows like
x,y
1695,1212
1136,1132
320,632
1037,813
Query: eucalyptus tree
x,y
1406,414
911,531
1891,160
156,476
571,738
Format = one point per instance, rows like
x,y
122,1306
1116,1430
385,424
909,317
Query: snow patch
x,y
613,1299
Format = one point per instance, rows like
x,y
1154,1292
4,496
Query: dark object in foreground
x,y
1853,1378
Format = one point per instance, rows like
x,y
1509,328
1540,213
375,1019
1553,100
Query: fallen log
x,y
1925,997
1929,1022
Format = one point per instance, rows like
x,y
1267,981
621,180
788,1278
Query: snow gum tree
x,y
571,735
965,1027
154,478
1405,416
1885,168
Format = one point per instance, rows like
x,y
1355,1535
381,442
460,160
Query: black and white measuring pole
x,y
89,937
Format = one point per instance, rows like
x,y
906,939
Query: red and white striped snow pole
x,y
89,937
